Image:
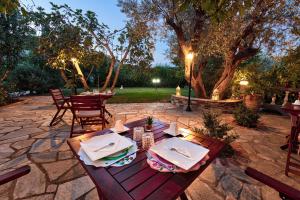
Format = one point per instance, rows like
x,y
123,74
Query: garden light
x,y
156,80
244,82
190,56
178,93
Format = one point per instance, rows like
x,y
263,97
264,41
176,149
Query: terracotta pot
x,y
253,101
148,127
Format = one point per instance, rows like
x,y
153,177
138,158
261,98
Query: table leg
x,y
183,196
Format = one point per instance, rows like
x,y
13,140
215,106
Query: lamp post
x,y
189,58
156,81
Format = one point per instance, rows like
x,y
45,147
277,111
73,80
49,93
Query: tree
x,y
14,32
131,44
10,6
63,43
233,30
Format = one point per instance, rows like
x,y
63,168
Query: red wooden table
x,y
293,144
137,180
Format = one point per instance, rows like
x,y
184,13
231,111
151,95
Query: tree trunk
x,y
225,80
63,75
111,67
197,81
81,76
116,77
119,68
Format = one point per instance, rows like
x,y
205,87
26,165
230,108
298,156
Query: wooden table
x,y
137,180
291,164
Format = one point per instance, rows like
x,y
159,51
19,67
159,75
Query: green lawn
x,y
142,95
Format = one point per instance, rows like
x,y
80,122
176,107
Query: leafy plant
x,y
149,121
246,117
3,96
221,131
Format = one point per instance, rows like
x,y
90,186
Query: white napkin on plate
x,y
194,151
119,127
90,146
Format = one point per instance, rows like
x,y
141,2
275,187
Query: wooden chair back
x,y
86,103
285,191
58,97
12,175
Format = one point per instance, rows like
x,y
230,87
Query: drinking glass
x,y
95,91
147,140
137,133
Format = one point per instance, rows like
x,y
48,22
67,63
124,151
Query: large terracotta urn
x,y
253,101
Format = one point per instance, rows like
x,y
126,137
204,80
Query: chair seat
x,y
92,113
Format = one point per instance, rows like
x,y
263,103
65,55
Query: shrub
x,y
34,79
3,96
246,117
221,131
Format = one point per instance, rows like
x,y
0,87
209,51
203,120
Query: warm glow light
x,y
156,80
73,59
190,56
244,82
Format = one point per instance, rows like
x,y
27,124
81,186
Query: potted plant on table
x,y
149,123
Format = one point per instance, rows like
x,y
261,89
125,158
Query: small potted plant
x,y
149,123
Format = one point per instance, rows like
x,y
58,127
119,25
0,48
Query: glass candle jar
x,y
138,133
147,140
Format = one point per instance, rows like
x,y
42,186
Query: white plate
x,y
124,130
296,104
92,145
104,163
196,152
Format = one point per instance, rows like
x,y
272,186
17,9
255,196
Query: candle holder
x,y
138,133
147,140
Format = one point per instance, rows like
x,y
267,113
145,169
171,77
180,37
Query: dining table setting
x,y
130,161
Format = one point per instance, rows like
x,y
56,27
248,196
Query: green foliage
x,y
3,96
34,79
221,131
149,121
131,76
9,6
246,117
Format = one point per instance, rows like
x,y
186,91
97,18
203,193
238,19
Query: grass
x,y
141,95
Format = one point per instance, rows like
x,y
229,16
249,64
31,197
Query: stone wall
x,y
226,106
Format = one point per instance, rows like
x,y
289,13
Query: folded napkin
x,y
91,146
119,127
194,152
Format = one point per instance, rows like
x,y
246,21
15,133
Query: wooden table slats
x,y
137,180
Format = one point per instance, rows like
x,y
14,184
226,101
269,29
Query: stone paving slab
x,y
26,139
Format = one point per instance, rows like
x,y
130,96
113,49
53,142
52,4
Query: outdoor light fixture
x,y
156,80
178,93
190,57
244,82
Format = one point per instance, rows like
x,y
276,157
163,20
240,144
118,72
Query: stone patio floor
x,y
26,139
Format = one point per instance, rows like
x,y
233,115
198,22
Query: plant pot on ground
x,y
149,123
253,101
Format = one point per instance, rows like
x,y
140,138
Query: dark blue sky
x,y
108,12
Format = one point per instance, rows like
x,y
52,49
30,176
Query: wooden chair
x,y
89,110
10,176
293,159
285,192
61,103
